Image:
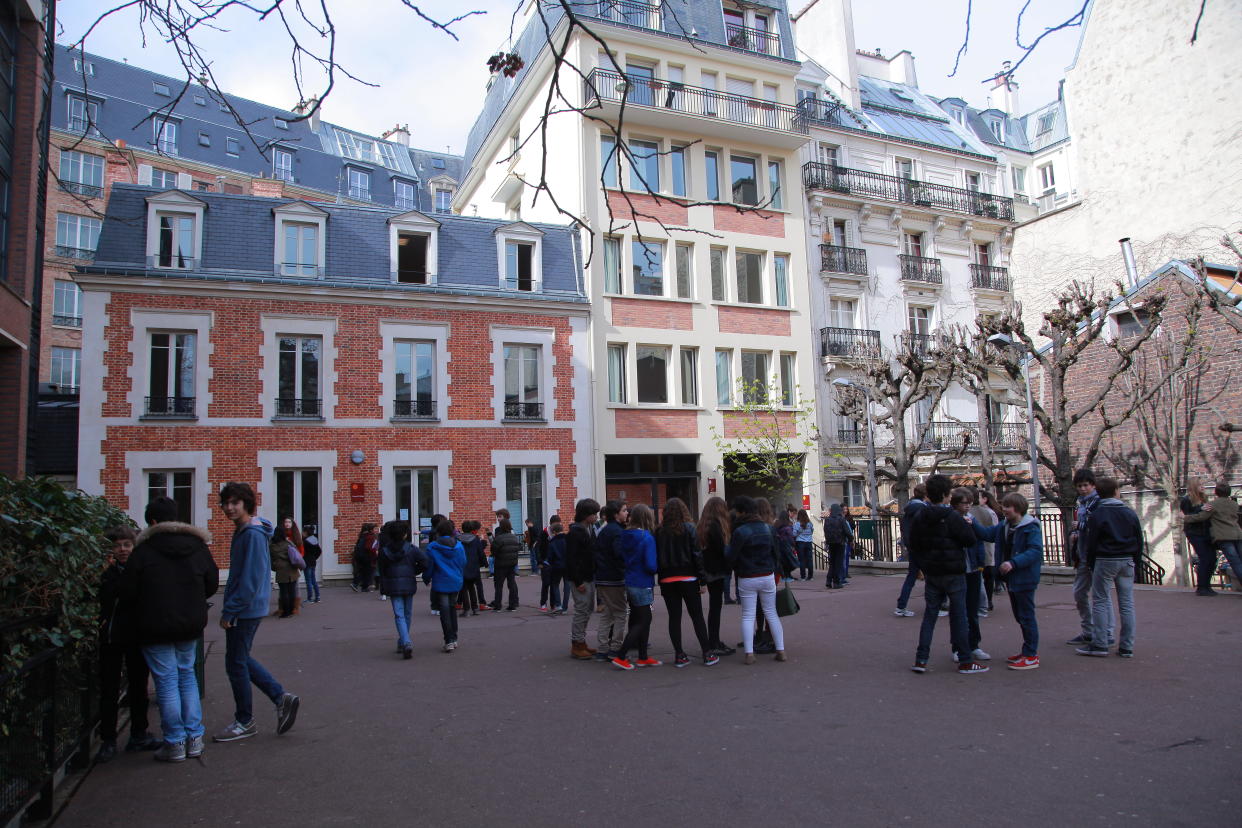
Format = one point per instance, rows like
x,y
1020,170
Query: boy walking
x,y
580,573
1114,544
1020,550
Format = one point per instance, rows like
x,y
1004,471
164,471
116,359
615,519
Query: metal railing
x,y
851,436
74,252
360,193
816,175
604,85
523,411
752,40
956,436
299,409
849,342
920,269
169,406
643,15
837,259
883,545
88,190
66,321
989,277
918,344
820,112
414,409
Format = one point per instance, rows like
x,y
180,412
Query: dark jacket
x,y
678,554
940,538
1193,529
913,507
168,579
1223,518
609,562
399,569
505,550
115,615
714,549
1113,531
579,554
311,550
752,550
1021,545
1082,513
286,572
837,529
366,548
476,556
554,554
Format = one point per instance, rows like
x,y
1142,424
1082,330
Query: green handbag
x,y
786,601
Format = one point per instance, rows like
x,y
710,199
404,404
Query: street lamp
x,y
1006,341
873,484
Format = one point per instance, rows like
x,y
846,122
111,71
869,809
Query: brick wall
x,y
624,206
765,321
648,313
756,222
739,425
643,423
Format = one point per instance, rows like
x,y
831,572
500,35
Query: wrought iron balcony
x,y
169,407
752,40
360,193
988,277
964,436
837,259
818,112
867,185
414,409
303,409
523,411
66,321
919,344
921,269
74,252
642,15
88,190
849,343
606,86
851,436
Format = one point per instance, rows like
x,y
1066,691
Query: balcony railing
x,y
170,406
921,269
952,436
849,343
523,411
850,436
66,321
414,409
360,193
74,252
88,190
308,408
752,40
820,112
404,203
837,259
864,184
919,344
988,277
643,15
604,85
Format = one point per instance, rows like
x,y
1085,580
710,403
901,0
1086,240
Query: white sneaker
x,y
980,655
903,613
983,613
942,613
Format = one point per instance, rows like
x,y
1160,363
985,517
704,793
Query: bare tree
x,y
766,442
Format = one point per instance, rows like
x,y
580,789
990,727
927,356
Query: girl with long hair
x,y
679,564
804,541
755,558
638,547
712,536
987,513
1199,536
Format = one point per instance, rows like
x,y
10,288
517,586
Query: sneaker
x,y
354,587
235,731
170,752
1125,653
723,650
1025,663
750,659
457,607
709,660
510,609
286,712
601,656
942,614
622,663
1078,641
107,752
407,652
1014,658
484,607
1092,650
435,612
543,607
383,597
143,741
919,667
194,747
683,660
903,613
452,645
980,655
983,613
648,662
970,668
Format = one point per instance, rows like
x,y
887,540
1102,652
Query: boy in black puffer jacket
x,y
471,596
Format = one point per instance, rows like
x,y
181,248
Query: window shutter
x,y
184,181
144,174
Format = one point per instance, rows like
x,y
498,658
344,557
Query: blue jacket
x,y
1023,547
554,553
249,588
804,534
609,561
399,569
445,565
752,549
638,548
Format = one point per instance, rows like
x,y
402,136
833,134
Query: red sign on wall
x,y
806,501
711,484
357,494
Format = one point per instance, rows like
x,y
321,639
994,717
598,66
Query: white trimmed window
x,y
789,381
282,164
82,173
1047,178
299,376
177,484
749,277
519,250
359,184
616,374
414,359
689,376
523,382
166,135
171,386
66,368
300,244
756,374
724,378
684,264
648,267
164,179
76,236
83,115
612,265
653,371
403,195
413,242
67,304
174,231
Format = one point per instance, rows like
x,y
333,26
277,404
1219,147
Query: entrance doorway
x,y
653,479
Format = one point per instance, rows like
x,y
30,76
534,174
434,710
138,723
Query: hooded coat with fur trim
x,y
168,579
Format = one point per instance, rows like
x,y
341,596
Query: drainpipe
x,y
1127,255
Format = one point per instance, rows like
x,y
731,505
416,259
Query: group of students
x,y
294,557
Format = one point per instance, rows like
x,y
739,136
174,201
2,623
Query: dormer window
x,y
174,231
442,191
165,135
997,126
413,248
161,89
1045,123
520,257
300,244
280,123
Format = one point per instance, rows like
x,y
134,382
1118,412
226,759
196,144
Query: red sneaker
x,y
1025,663
1014,658
622,663
648,662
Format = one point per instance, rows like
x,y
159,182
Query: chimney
x,y
1004,92
305,106
399,134
1127,255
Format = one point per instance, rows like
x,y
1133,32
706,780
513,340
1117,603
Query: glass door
x,y
416,497
297,497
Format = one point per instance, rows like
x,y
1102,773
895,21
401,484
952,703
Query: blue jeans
x,y
1230,549
912,575
806,559
1109,571
176,689
402,607
242,669
1205,569
1023,604
935,589
312,584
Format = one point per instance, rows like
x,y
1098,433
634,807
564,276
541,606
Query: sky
x,y
435,83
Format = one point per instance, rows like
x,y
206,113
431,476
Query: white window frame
x,y
173,202
74,165
146,322
407,203
421,224
503,459
727,364
765,380
68,292
325,462
356,193
142,463
1047,178
77,225
280,171
88,122
393,332
670,375
764,289
792,358
663,245
522,233
545,339
164,126
694,382
273,328
299,212
57,354
442,182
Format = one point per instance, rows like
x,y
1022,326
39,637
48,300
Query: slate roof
x,y
239,234
127,97
1030,133
902,111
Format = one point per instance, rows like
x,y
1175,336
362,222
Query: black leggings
x,y
989,583
687,592
638,633
715,602
288,592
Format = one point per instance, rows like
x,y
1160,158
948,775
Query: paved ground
x,y
510,731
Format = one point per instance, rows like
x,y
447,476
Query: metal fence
x,y
865,184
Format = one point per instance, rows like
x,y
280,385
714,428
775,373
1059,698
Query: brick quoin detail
x,y
754,321
657,424
647,313
755,222
649,208
739,425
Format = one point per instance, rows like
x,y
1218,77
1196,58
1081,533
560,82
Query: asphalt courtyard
x,y
508,730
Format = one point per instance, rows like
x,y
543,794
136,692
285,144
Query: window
x,y
983,254
357,147
616,374
685,280
998,129
415,368
297,496
403,197
829,154
298,388
164,179
1019,179
755,378
280,123
689,376
412,258
524,494
202,186
645,166
1133,322
301,249
788,381
749,277
608,160
519,265
171,386
174,230
775,194
648,268
652,370
437,163
711,174
1047,178
416,496
161,89
166,136
912,244
641,87
522,397
282,164
1045,123
204,140
359,184
177,485
838,232
919,319
67,304
76,236
905,168
200,100
718,273
782,280
83,115
972,182
852,494
443,200
66,368
841,313
677,160
81,173
612,265
724,378
87,68
744,186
